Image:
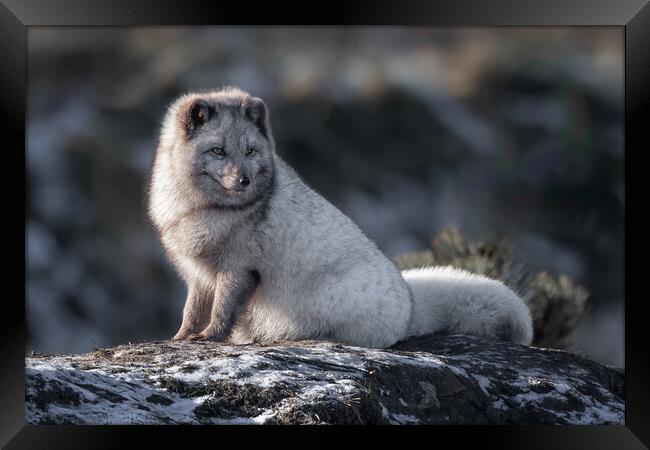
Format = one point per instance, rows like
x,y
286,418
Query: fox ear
x,y
197,113
256,111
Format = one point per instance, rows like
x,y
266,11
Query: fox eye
x,y
249,151
219,151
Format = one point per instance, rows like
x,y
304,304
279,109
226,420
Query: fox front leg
x,y
232,291
197,310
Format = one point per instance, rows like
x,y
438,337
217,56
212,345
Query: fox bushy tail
x,y
452,300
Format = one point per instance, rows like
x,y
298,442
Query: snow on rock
x,y
435,379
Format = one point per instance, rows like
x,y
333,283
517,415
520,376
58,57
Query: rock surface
x,y
435,379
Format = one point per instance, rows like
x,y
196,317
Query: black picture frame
x,y
17,15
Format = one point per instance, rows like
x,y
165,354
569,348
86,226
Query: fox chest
x,y
202,249
198,235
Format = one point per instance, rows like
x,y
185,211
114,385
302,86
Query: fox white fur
x,y
273,260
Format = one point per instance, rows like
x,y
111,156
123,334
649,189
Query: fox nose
x,y
244,180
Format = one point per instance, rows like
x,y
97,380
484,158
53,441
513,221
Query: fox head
x,y
217,148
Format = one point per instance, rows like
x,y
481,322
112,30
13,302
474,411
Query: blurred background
x,y
509,133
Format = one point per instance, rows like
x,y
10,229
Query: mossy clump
x,y
556,302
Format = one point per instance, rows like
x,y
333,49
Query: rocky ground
x,y
434,379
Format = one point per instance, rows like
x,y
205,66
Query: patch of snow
x,y
93,409
257,420
405,419
483,382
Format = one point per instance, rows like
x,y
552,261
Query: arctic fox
x,y
266,258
